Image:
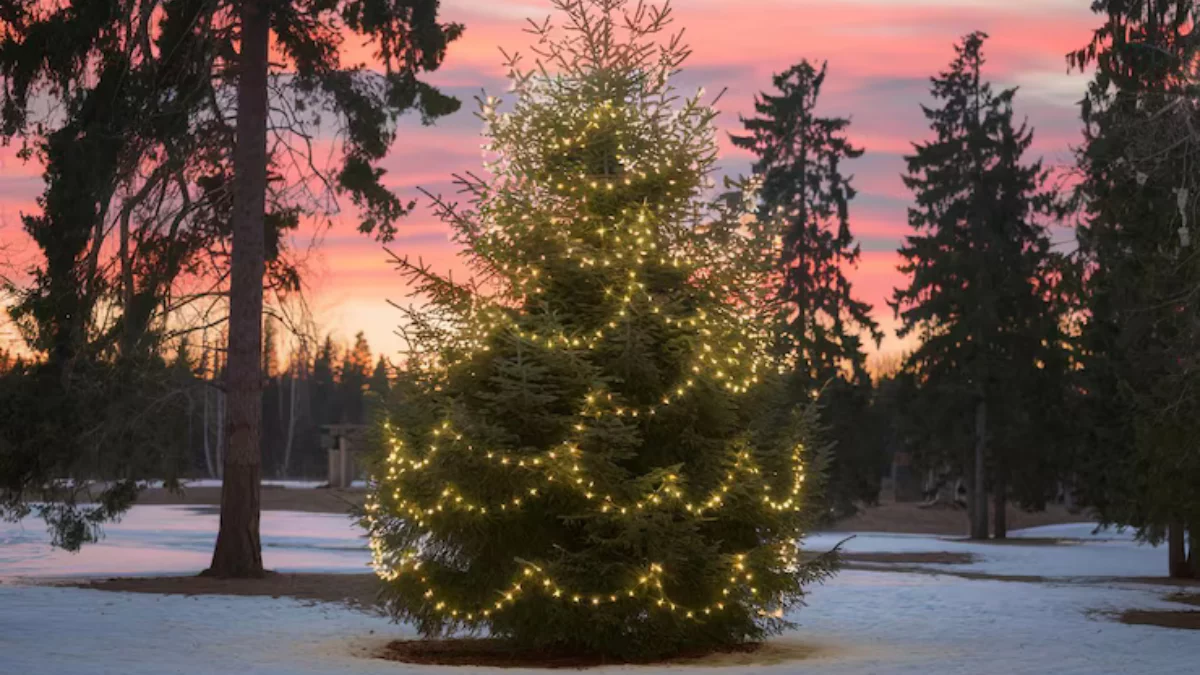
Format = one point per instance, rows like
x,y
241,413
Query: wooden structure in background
x,y
345,444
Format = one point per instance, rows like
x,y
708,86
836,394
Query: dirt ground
x,y
274,498
889,516
357,590
496,654
1186,620
910,518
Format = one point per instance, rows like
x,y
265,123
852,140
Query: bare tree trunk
x,y
239,550
191,431
1000,498
979,505
1176,553
291,423
1194,551
208,455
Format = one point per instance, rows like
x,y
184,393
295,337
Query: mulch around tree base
x,y
1187,619
491,653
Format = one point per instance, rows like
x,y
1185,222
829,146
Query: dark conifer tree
x,y
1138,461
355,374
800,157
980,269
380,382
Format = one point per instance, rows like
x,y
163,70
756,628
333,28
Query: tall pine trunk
x,y
979,505
239,551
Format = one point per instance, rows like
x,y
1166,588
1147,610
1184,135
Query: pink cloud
x,y
880,54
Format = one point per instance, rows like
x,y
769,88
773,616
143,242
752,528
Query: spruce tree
x,y
800,157
980,270
589,454
1138,463
380,382
355,375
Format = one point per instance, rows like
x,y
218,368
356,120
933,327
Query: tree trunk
x,y
219,434
291,424
1176,552
979,505
1000,518
1194,551
208,457
239,551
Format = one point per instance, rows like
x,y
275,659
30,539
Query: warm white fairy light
x,y
544,212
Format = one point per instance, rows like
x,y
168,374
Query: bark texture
x,y
239,551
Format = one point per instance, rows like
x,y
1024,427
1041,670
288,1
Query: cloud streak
x,y
880,54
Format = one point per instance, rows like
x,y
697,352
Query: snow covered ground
x,y
1081,554
861,622
179,539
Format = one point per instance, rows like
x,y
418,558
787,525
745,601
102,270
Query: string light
x,y
634,231
648,587
562,463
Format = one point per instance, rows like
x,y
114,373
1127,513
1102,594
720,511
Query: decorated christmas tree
x,y
588,450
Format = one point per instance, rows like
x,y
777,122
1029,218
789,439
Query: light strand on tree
x,y
533,578
561,466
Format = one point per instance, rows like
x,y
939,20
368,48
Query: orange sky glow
x,y
880,53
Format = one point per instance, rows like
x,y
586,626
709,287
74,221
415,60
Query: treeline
x,y
302,392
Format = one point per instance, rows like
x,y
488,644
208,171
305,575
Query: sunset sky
x,y
880,53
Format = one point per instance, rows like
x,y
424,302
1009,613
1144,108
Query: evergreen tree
x,y
355,373
1138,462
980,270
380,382
586,462
799,157
326,407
